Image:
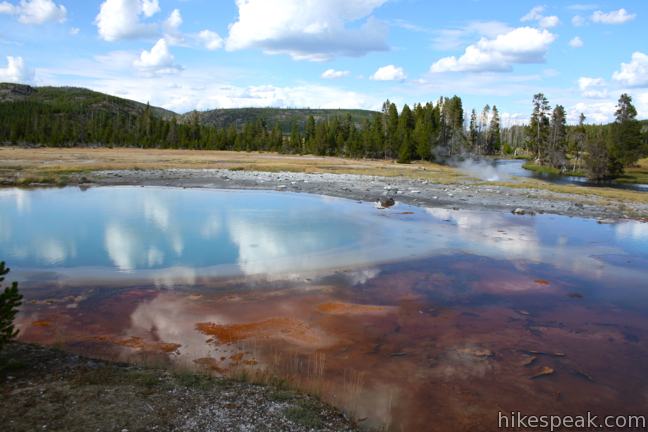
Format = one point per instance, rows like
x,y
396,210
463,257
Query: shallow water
x,y
407,318
513,167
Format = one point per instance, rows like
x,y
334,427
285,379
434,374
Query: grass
x,y
25,166
542,169
304,415
605,196
636,174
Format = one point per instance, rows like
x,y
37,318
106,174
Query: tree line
x,y
434,131
598,151
431,131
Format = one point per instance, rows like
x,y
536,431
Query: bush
x,y
10,300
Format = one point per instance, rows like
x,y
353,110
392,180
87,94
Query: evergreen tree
x,y
10,301
627,140
558,138
473,132
538,129
494,134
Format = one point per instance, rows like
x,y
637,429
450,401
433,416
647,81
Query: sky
x,y
204,54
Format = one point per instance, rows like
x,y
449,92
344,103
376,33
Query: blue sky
x,y
200,54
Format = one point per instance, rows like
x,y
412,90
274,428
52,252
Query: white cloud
x,y
592,87
521,45
536,14
614,17
174,21
74,31
311,30
120,19
7,8
210,40
16,71
454,38
35,11
150,7
202,91
389,73
158,60
333,74
596,112
578,21
576,42
635,73
549,21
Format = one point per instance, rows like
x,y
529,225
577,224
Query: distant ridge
x,y
64,97
285,117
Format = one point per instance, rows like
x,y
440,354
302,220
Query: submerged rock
x,y
385,202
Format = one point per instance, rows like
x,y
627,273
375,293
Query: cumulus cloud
x,y
536,14
333,74
122,19
592,87
620,16
389,73
595,111
35,11
158,60
576,42
521,45
578,21
635,73
16,71
174,21
308,30
210,40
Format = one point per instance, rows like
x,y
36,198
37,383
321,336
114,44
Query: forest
x,y
435,131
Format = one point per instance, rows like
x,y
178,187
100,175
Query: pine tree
x,y
494,133
558,138
473,133
10,301
538,129
627,140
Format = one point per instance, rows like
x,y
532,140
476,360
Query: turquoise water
x,y
144,231
175,234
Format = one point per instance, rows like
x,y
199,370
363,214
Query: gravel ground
x,y
45,389
469,195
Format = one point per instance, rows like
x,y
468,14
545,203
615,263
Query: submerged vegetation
x,y
434,131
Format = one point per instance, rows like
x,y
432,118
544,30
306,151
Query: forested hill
x,y
67,99
284,117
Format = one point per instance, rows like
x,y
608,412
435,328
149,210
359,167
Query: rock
x,y
521,211
606,221
385,202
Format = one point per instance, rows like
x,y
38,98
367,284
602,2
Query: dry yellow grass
x,y
25,163
53,165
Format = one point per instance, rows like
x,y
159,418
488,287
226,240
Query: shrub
x,y
10,300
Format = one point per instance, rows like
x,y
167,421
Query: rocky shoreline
x,y
50,390
466,195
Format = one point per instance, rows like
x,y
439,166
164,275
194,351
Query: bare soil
x,y
44,389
